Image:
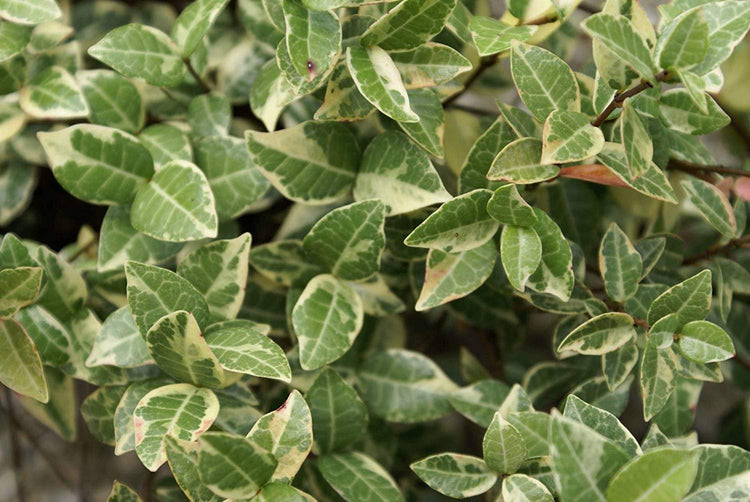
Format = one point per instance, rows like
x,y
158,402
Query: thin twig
x,y
691,168
717,249
204,86
15,447
619,98
484,65
172,97
148,486
83,249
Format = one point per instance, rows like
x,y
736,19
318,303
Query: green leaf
x,y
570,137
479,159
120,242
342,100
194,22
179,410
233,466
728,23
183,462
533,426
119,343
545,82
60,412
209,115
123,418
492,36
521,254
601,421
18,288
428,132
522,488
349,241
503,446
460,224
657,377
555,274
479,401
696,88
455,475
65,290
584,460
248,349
98,411
652,183
21,368
620,264
429,65
377,78
53,94
276,492
312,163
154,292
599,335
684,41
176,205
508,207
284,262
166,143
287,434
237,412
270,93
113,100
313,38
705,342
618,364
712,204
403,386
357,477
636,140
13,40
338,414
621,37
136,50
681,114
29,11
409,24
98,164
660,474
396,171
177,345
450,276
520,161
722,473
218,270
690,300
327,318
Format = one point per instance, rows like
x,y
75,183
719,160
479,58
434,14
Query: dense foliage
x,y
444,296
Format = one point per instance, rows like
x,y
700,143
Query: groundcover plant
x,y
380,251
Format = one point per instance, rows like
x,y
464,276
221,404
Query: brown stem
x,y
15,447
484,65
172,97
717,249
691,168
204,86
619,98
148,486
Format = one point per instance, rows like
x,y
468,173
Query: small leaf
x,y
349,241
113,100
599,335
53,94
355,477
98,164
377,78
492,36
657,378
232,466
450,276
327,318
503,446
177,205
122,493
618,364
183,462
479,159
652,183
555,273
569,137
178,410
712,204
681,114
396,171
455,475
684,41
520,161
409,24
523,488
209,115
508,207
705,342
313,38
619,35
247,349
18,288
339,415
429,131
545,82
460,224
193,23
287,434
479,401
664,474
429,65
177,345
29,11
636,140
601,421
166,143
21,368
690,300
13,40
521,254
270,94
620,264
119,343
123,419
136,50
98,411
727,25
342,101
313,163
284,262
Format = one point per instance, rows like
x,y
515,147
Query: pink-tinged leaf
x,y
595,173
